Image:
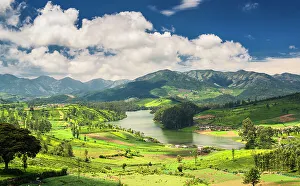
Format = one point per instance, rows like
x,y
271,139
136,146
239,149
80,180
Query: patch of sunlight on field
x,y
281,125
279,178
153,180
214,176
74,181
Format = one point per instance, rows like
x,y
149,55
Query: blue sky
x,y
267,29
115,39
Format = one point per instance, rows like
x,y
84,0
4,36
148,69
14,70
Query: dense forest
x,y
178,116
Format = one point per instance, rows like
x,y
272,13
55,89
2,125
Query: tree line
x,y
284,158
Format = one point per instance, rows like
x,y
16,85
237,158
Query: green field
x,y
283,111
147,163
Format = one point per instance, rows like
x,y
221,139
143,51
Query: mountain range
x,y
203,86
48,86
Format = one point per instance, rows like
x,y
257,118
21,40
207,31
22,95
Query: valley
x,y
149,93
103,144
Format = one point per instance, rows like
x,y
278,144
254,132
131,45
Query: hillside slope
x,y
281,110
203,86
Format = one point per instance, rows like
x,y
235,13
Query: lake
x,y
143,121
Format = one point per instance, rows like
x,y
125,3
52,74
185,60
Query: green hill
x,y
284,109
202,86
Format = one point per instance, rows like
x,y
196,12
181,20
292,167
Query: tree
x,y
179,158
180,168
124,165
77,133
248,133
232,152
15,141
63,149
86,152
264,137
195,154
178,116
24,160
252,176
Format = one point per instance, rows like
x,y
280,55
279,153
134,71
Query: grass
x,y
278,178
214,176
142,180
150,102
217,168
264,112
281,125
72,180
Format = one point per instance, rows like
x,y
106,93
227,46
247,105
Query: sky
x,y
125,39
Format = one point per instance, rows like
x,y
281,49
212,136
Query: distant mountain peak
x,y
47,86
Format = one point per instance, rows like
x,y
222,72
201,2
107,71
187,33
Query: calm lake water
x,y
143,121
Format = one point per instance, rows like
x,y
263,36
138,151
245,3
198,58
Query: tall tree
x,y
248,133
16,141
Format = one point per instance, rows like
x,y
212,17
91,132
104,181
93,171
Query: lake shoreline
x,y
143,121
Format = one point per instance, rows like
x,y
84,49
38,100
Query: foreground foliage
x,y
15,141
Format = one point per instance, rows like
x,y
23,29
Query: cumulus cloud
x,y
55,26
122,45
250,6
117,46
5,5
8,13
292,47
185,4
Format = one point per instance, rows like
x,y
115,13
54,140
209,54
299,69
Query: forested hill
x,y
281,110
203,86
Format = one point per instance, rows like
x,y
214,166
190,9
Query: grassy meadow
x,y
120,157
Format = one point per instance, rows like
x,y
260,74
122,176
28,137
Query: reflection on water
x,y
143,121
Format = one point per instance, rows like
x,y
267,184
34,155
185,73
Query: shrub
x,y
179,158
102,156
195,181
124,166
107,168
180,168
32,177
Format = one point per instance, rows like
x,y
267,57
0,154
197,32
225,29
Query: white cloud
x,y
292,47
249,36
125,46
10,14
168,12
55,26
171,30
185,4
5,5
276,66
136,51
250,6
